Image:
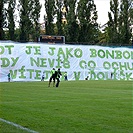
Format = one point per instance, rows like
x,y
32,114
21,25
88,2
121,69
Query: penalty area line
x,y
18,126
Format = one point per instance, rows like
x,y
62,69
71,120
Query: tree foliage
x,y
80,25
119,24
25,22
29,19
113,22
72,27
11,21
49,16
59,24
87,16
35,15
1,19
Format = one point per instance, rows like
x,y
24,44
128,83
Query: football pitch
x,y
73,107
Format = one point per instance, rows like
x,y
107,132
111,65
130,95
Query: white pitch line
x,y
18,126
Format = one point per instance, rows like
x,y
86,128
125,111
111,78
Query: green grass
x,y
74,107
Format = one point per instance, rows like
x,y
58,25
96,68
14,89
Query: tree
x,y
119,24
35,8
131,11
59,5
49,16
1,20
72,27
125,22
87,16
113,22
131,16
29,19
25,22
11,22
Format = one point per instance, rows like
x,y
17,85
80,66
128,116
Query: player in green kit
x,y
52,77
